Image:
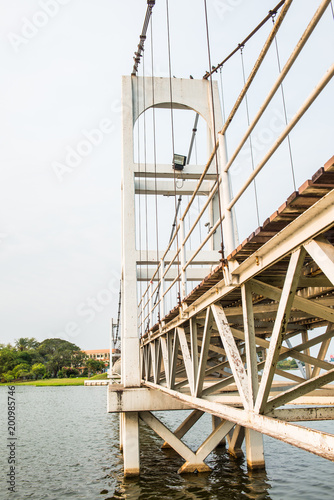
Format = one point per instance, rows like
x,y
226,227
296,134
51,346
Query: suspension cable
x,y
213,69
192,144
139,198
177,205
284,109
145,176
115,338
214,131
222,92
250,137
155,157
142,38
198,203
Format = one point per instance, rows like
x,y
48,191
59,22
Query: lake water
x,y
68,448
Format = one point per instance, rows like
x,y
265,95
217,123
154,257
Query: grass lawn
x,y
100,376
53,382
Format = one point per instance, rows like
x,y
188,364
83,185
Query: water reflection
x,y
69,448
229,478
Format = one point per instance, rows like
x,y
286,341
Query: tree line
x,y
30,359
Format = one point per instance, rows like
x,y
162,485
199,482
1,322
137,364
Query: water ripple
x,y
68,449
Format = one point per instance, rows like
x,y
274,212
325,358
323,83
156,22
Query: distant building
x,y
98,354
101,355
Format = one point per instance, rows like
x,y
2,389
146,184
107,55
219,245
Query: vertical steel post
x,y
162,288
183,261
254,439
150,304
131,376
228,228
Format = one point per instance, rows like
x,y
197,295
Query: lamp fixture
x,y
179,162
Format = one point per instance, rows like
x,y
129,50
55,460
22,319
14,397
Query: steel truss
x,y
218,350
222,359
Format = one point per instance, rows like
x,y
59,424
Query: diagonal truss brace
x,y
194,461
233,355
319,443
280,327
186,358
322,252
300,390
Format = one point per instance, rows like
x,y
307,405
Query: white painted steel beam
x,y
322,252
308,225
166,357
206,257
300,390
254,449
174,357
165,171
295,352
312,222
235,439
193,274
130,440
233,354
185,426
323,351
249,332
187,94
186,358
175,443
211,442
307,305
131,364
170,188
280,327
303,414
204,352
319,443
127,399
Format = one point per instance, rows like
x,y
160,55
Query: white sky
x,y
60,238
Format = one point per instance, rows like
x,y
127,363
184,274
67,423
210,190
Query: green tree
x,y
8,376
79,359
39,370
26,343
21,371
93,366
71,372
58,353
8,359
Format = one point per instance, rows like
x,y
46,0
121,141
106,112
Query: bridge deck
x,y
298,202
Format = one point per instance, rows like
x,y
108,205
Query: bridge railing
x,y
152,306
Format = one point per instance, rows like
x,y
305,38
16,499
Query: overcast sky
x,y
60,149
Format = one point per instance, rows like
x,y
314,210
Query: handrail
x,y
148,294
323,82
270,14
295,53
258,63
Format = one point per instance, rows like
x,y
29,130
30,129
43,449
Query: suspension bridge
x,y
206,319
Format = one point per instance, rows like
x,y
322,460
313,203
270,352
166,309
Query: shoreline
x,y
54,382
